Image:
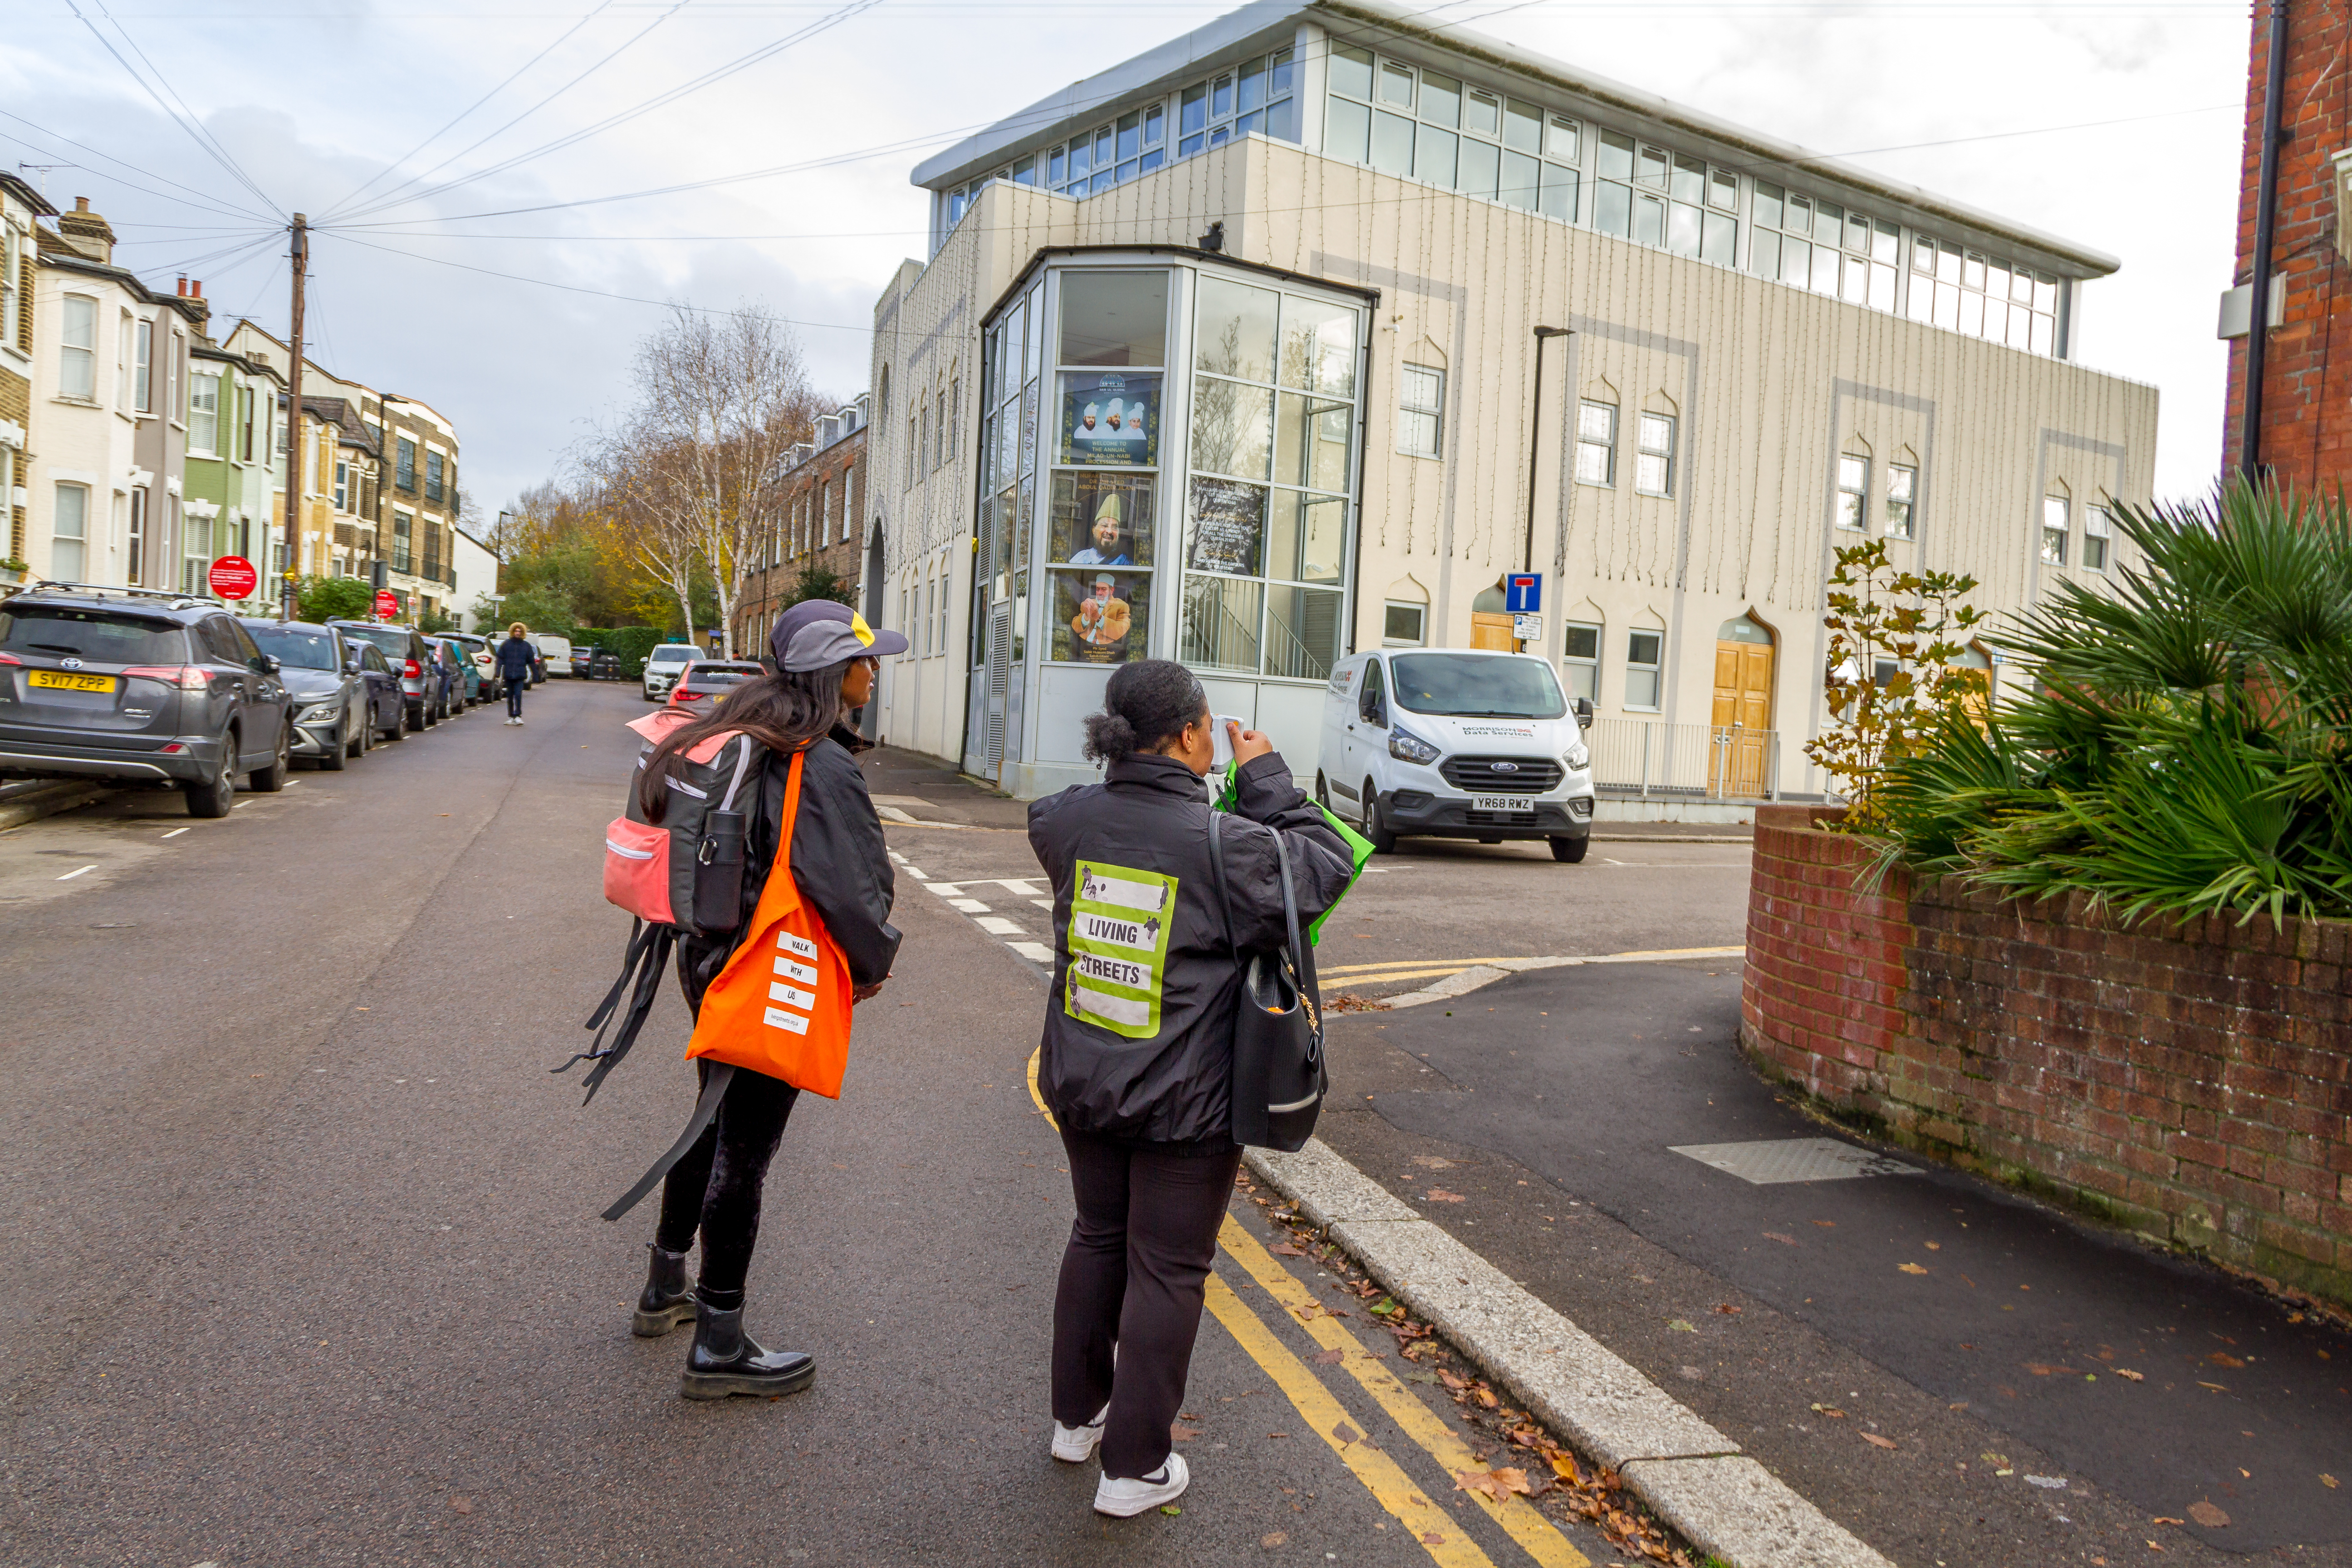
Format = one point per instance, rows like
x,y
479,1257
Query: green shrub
x,y
2183,749
317,598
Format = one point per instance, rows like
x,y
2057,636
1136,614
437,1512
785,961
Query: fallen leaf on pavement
x,y
1346,1433
1273,1539
1728,1310
1431,1538
1498,1483
462,1504
2043,1369
2327,1482
1783,1241
1284,1249
2223,1358
1912,1268
1171,1509
2206,1514
1331,1357
1874,1438
1433,1162
1831,1411
2161,1519
1935,1247
2126,1372
1486,1398
1826,1224
1564,1466
1440,1195
1680,1327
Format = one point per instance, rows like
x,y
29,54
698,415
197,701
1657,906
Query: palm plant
x,y
2183,750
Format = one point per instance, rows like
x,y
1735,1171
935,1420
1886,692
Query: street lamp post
x,y
1535,448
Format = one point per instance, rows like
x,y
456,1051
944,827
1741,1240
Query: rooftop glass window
x,y
1672,200
1457,135
1257,95
1966,291
1813,243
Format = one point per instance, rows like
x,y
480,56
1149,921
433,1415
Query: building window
x,y
1982,296
136,531
1672,200
2098,529
403,472
1653,465
1808,243
1403,626
1596,444
432,475
1443,131
2054,530
11,332
176,357
343,486
1421,411
246,399
403,526
1852,492
824,512
1902,491
955,416
70,534
940,637
1258,97
1582,660
143,368
77,349
914,445
1644,653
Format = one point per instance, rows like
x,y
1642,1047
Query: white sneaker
x,y
1125,1500
1076,1444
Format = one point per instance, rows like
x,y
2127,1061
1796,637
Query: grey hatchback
x,y
139,686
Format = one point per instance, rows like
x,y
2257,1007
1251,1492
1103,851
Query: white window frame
x,y
1596,444
1421,623
10,244
2099,531
1902,500
1852,515
1575,661
2053,535
84,353
80,541
1655,669
1654,457
143,367
209,447
1421,415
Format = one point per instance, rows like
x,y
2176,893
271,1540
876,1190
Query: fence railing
x,y
1655,760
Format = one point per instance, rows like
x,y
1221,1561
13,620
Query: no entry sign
x,y
232,577
387,604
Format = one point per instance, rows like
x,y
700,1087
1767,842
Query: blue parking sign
x,y
1523,593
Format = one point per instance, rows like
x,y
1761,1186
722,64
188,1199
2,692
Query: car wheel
x,y
355,744
424,719
215,798
271,779
1383,840
1570,850
338,757
1322,793
398,729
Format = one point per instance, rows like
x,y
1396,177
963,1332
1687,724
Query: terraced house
x,y
1230,353
826,485
21,208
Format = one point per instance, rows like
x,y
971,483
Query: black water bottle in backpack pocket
x,y
718,872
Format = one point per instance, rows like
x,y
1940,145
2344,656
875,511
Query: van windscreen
x,y
1477,685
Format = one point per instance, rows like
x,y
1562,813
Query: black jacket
x,y
1162,1072
516,658
839,861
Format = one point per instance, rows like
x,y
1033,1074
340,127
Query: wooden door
x,y
1489,630
1743,718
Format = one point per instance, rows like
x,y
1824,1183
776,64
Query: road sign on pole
x,y
232,577
1523,593
387,604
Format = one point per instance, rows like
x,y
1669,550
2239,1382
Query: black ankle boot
x,y
667,1300
725,1360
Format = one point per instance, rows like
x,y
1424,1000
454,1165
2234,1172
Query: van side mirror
x,y
1584,712
1372,709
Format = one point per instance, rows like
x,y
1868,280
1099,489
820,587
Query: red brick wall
x,y
2307,403
2190,1082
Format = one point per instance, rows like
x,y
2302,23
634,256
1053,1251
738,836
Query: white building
x,y
1267,298
474,577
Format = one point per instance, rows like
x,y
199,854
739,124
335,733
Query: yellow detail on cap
x,y
858,624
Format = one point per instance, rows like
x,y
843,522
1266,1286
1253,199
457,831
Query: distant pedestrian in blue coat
x,y
517,657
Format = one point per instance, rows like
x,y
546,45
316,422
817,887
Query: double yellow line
x,y
1439,1533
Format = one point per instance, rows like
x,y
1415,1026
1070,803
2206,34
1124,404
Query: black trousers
x,y
715,1187
514,709
1134,1276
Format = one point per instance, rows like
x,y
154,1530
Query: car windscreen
x,y
1475,686
392,641
669,655
107,636
297,649
719,675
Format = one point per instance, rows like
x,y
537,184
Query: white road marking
x,y
914,873
1035,951
176,833
946,889
240,805
969,905
71,875
997,925
1024,887
1043,903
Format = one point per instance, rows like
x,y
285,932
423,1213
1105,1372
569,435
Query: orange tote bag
x,y
781,1006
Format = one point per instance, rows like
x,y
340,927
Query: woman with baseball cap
x,y
826,658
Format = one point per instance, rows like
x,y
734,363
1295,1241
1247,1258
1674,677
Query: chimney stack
x,y
88,232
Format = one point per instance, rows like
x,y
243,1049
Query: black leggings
x,y
714,1186
1133,1279
514,702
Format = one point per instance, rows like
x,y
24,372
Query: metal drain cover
x,y
1794,1159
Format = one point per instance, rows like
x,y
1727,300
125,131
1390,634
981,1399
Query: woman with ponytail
x,y
1136,1057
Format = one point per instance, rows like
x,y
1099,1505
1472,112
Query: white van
x,y
664,665
1455,743
556,651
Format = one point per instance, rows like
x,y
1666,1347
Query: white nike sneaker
x,y
1076,1444
1125,1498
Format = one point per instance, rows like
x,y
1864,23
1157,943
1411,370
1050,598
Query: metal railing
x,y
1651,760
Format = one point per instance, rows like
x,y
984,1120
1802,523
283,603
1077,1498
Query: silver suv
x,y
135,685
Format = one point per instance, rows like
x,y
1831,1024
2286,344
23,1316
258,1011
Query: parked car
x,y
706,681
582,656
136,686
404,649
477,649
332,704
387,706
663,665
465,678
554,654
1455,743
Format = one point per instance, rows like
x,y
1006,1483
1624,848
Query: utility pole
x,y
302,254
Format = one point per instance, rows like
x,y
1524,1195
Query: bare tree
x,y
721,400
641,492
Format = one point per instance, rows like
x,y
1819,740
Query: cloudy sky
x,y
446,142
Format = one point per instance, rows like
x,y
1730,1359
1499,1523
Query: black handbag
x,y
1280,1076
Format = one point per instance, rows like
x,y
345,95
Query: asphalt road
x,y
305,1260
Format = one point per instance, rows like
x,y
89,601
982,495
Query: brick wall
x,y
2191,1083
842,468
2306,403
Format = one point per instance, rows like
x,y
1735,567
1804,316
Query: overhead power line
x,y
179,115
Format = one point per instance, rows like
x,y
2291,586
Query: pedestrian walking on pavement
x,y
823,817
1136,1057
516,657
